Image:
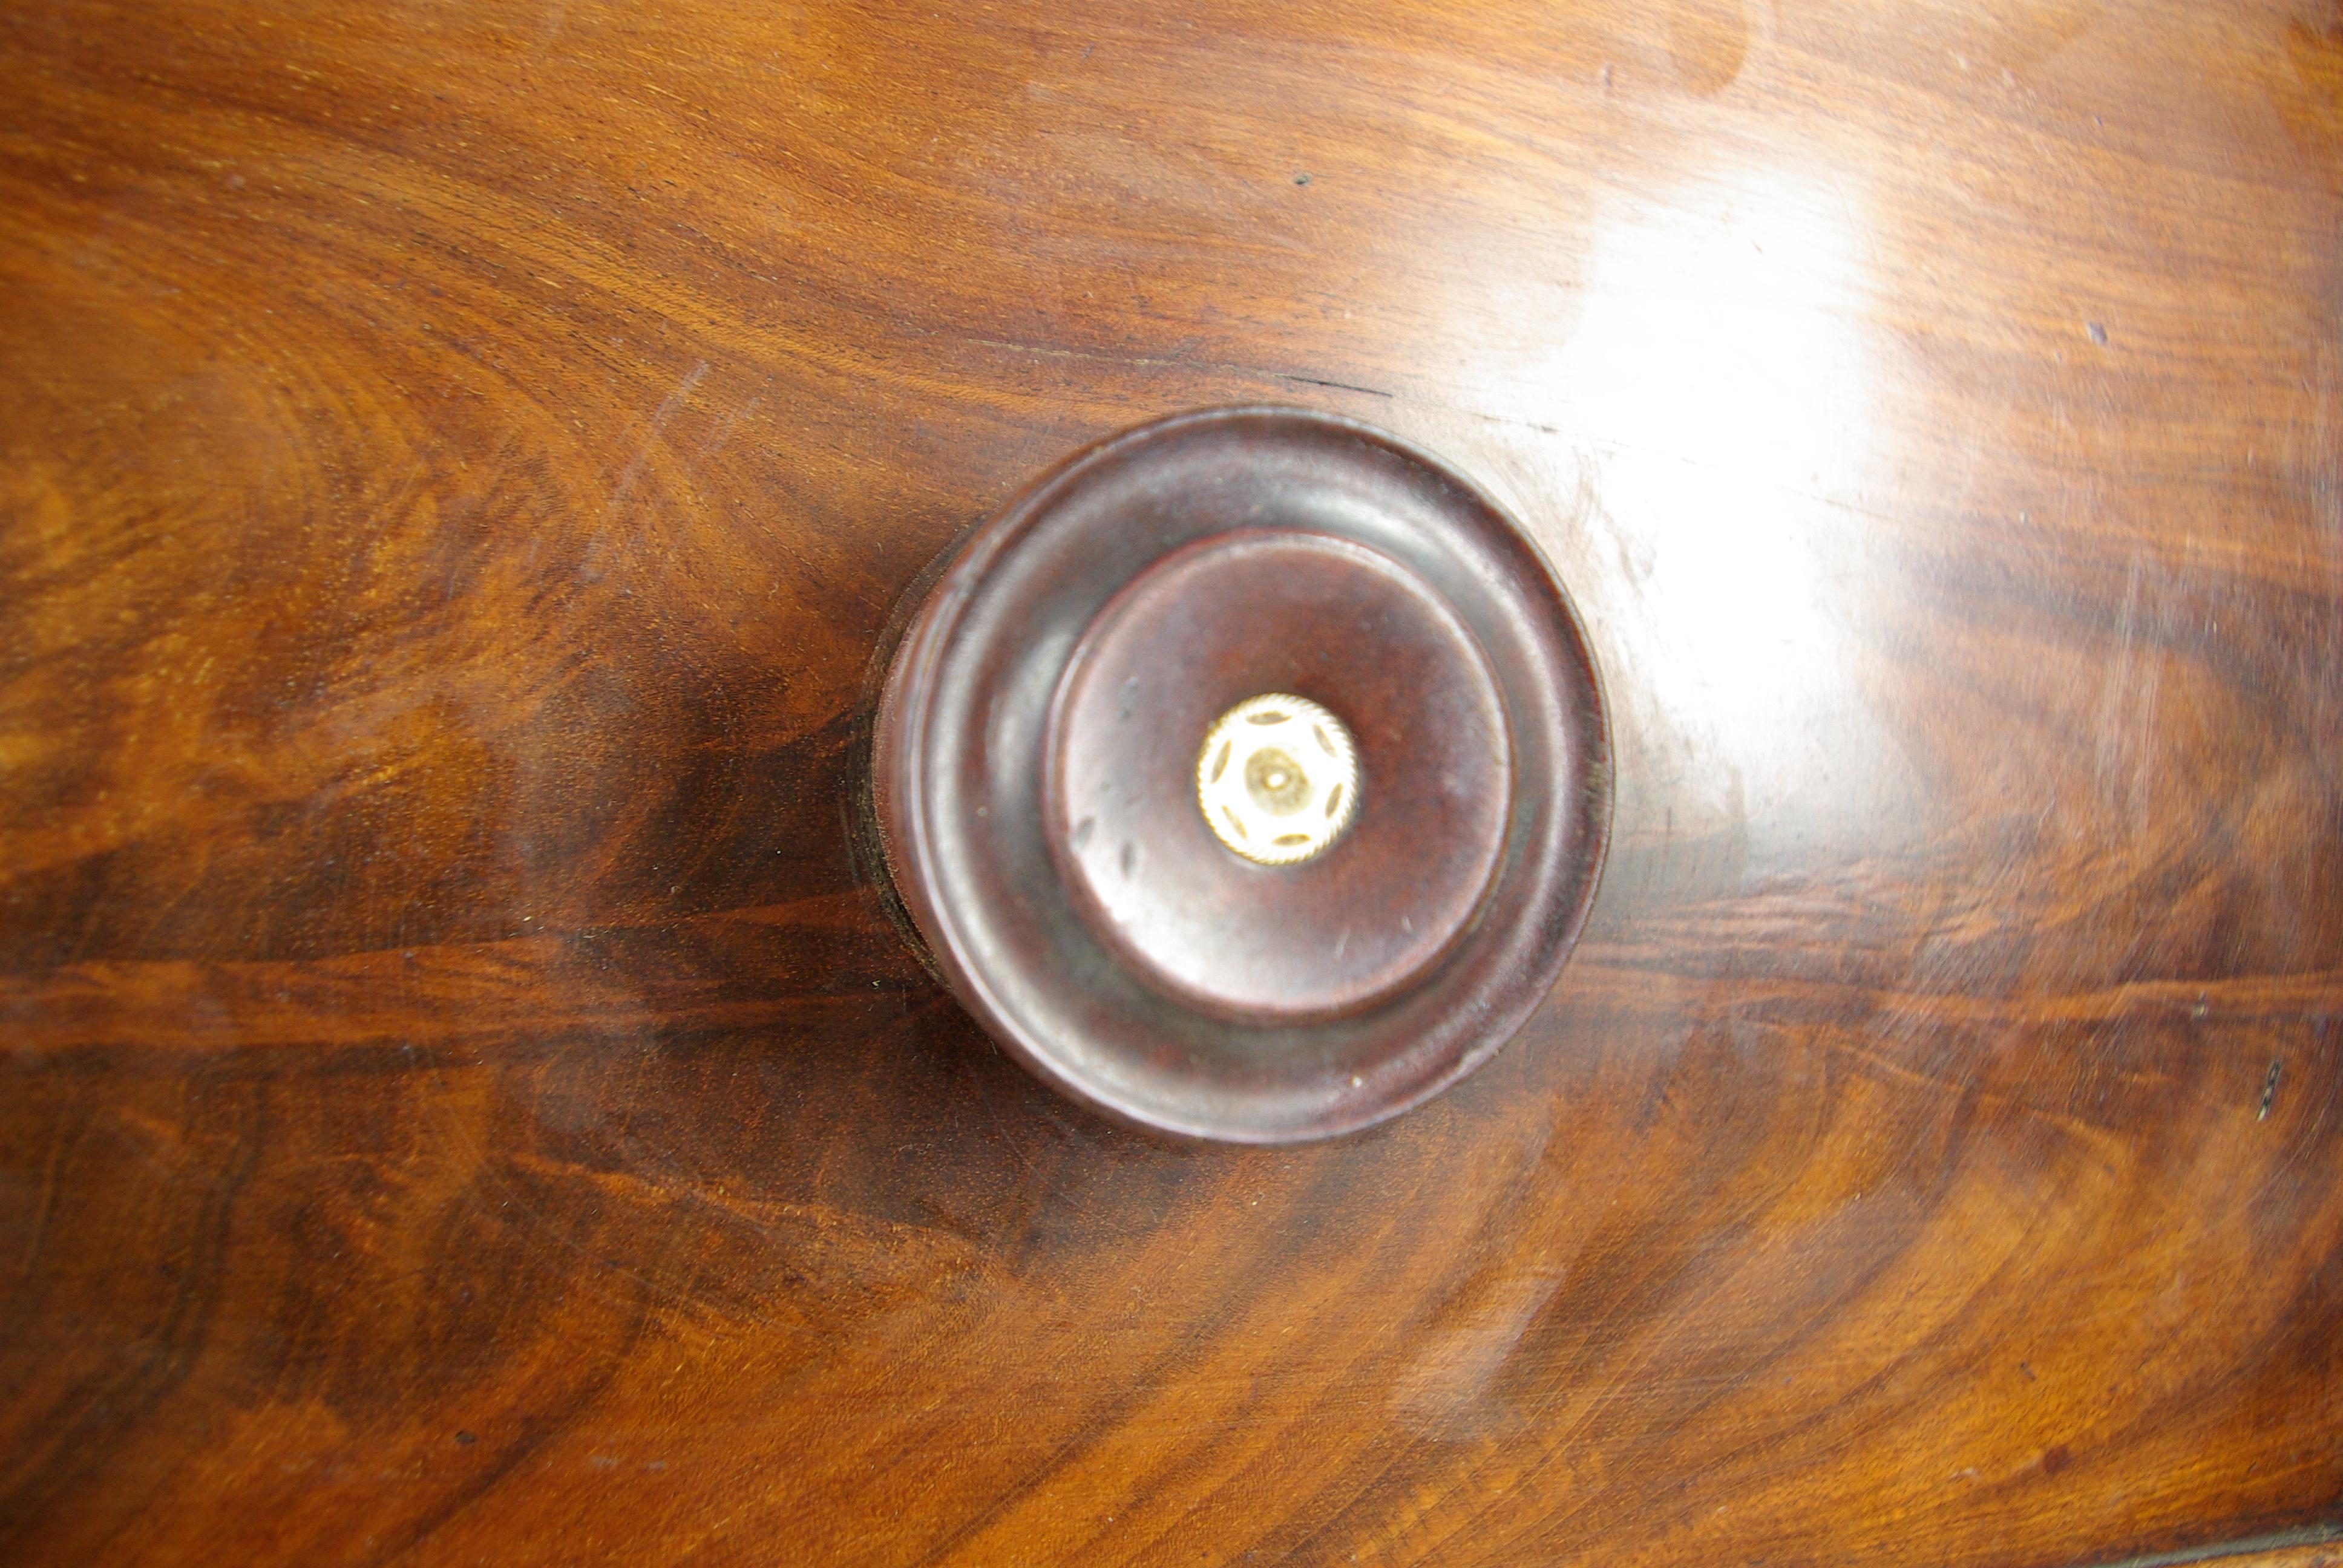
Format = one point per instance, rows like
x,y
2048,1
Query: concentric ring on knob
x,y
1035,776
1282,610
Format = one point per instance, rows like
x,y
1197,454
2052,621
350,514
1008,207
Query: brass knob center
x,y
1277,778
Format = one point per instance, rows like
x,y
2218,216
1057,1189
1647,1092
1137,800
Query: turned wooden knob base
x,y
1248,776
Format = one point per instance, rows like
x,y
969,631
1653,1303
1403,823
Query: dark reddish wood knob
x,y
1247,776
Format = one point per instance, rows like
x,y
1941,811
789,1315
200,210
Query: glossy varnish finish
x,y
464,1099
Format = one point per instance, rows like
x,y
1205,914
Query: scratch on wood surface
x,y
724,429
40,1225
629,476
1447,1392
1338,386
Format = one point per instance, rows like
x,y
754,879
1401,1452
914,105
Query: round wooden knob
x,y
1247,776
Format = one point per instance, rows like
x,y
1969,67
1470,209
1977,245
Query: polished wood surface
x,y
464,1100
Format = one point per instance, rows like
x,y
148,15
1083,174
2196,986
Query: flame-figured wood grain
x,y
464,1099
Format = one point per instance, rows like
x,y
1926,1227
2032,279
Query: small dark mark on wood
x,y
2099,333
2269,1089
1301,179
2028,1371
466,1439
1339,386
